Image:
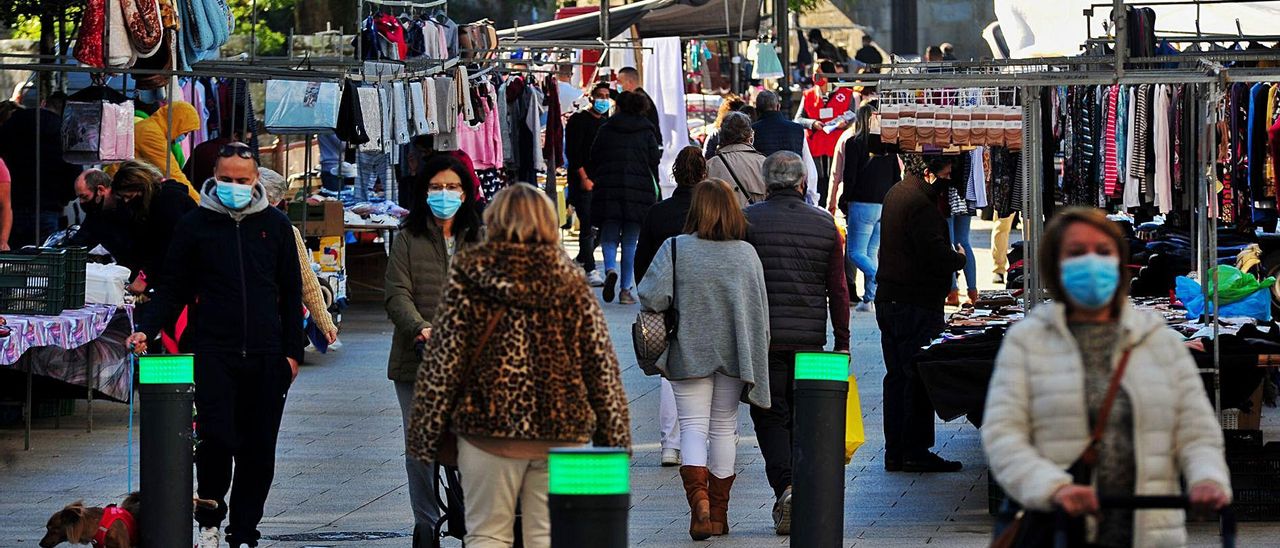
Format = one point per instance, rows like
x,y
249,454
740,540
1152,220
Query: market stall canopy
x,y
1037,29
655,19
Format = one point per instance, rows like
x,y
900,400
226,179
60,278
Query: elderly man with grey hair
x,y
775,133
737,161
312,297
803,258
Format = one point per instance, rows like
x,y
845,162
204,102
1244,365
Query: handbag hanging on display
x,y
1036,529
652,332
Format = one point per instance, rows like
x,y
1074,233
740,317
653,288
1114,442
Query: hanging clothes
x,y
1163,183
766,63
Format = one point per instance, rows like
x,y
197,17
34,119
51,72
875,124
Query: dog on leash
x,y
105,527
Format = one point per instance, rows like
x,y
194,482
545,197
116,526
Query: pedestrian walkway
x,y
340,479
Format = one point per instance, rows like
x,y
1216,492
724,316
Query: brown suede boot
x,y
718,491
974,296
953,298
695,489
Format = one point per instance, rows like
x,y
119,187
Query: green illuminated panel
x,y
822,366
589,472
171,369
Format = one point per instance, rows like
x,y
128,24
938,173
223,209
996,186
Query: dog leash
x,y
133,361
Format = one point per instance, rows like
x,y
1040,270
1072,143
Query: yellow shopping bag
x,y
854,435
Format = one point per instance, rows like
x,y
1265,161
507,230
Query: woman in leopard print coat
x,y
546,376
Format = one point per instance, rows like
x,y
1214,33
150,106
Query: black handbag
x,y
1037,529
652,332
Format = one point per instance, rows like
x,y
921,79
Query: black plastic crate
x,y
77,258
1256,511
33,283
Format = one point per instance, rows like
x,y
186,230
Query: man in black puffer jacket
x,y
803,258
916,263
234,262
624,167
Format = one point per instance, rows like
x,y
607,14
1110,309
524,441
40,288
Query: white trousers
x,y
669,428
708,410
492,484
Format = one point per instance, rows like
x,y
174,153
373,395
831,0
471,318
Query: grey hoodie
x,y
209,200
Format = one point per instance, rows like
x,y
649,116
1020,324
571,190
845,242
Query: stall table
x,y
81,348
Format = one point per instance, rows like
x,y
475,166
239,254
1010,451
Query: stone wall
x,y
959,22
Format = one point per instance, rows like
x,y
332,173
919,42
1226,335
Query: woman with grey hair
x,y
277,187
737,161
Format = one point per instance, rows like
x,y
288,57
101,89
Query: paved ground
x,y
340,467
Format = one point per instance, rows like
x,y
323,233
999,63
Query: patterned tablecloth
x,y
64,347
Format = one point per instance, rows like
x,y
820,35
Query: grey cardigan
x,y
724,312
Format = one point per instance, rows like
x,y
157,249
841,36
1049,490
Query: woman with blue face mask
x,y
1050,399
443,219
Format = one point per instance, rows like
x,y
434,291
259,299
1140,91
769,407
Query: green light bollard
x,y
167,389
589,497
817,454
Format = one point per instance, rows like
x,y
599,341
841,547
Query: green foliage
x,y
27,27
271,41
802,6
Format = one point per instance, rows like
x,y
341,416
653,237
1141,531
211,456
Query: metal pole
x,y
1033,199
168,392
783,35
1122,36
28,410
735,61
604,21
39,164
817,454
589,497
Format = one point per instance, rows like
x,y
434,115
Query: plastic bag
x,y
1256,305
854,435
1234,284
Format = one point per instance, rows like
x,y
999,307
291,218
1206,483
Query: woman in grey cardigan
x,y
722,345
443,218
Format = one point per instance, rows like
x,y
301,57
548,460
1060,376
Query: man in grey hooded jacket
x,y
233,262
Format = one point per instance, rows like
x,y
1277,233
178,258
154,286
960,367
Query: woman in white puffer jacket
x,y
1051,377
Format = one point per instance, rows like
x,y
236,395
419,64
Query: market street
x,y
340,477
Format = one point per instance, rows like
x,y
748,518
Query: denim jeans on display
x,y
864,243
959,227
613,233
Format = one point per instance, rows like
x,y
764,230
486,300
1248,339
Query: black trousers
x,y
586,233
239,403
773,425
908,412
823,163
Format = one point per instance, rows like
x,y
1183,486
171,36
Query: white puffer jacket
x,y
1036,424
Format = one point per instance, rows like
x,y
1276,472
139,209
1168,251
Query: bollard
x,y
817,454
166,385
589,497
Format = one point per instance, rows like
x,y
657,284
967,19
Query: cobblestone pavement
x,y
340,467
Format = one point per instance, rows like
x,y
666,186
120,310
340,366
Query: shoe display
x,y
865,307
210,537
782,514
671,457
594,279
718,492
929,463
626,297
610,285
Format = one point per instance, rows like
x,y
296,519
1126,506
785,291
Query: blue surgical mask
x,y
234,196
444,203
1090,281
601,105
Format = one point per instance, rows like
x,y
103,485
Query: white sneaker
x,y
210,537
671,457
595,279
865,307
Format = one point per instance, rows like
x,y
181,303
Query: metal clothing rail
x,y
407,3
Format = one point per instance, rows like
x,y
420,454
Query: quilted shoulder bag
x,y
652,332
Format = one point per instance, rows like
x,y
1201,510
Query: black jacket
x,y
579,134
18,149
803,258
652,115
138,242
624,167
869,171
241,279
774,133
916,257
665,220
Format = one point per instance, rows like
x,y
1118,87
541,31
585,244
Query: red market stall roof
x,y
738,19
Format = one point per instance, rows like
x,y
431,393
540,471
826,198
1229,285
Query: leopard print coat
x,y
548,372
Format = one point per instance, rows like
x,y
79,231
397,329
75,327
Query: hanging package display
x,y
97,132
301,107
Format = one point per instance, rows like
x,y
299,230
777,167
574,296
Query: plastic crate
x,y
33,283
77,258
1255,482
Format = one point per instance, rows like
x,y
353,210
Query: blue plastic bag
x,y
1256,305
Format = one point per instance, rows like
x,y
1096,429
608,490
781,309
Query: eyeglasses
x,y
236,149
437,187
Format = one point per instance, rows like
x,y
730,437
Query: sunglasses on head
x,y
236,149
